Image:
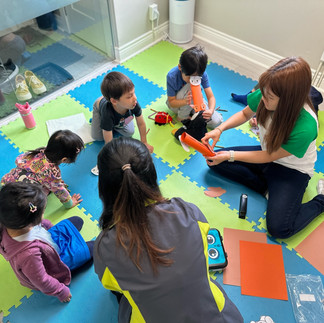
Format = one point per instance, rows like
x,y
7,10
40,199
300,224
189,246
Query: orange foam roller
x,y
197,145
197,96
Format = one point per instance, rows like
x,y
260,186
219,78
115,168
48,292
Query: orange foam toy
x,y
195,144
197,96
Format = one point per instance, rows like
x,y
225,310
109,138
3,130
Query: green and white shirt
x,y
301,143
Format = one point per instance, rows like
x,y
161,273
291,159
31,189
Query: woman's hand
x,y
76,199
214,135
218,158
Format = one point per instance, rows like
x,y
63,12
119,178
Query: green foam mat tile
x,y
219,215
165,145
11,290
26,139
155,62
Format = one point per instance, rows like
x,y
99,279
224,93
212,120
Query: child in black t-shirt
x,y
113,112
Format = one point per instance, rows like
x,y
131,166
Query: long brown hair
x,y
127,194
289,79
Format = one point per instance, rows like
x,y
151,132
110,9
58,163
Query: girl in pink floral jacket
x,y
42,166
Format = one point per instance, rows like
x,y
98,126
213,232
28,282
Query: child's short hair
x,y
62,144
193,61
115,84
21,204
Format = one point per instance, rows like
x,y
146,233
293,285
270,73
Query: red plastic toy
x,y
161,118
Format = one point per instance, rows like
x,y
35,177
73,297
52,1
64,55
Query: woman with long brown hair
x,y
281,167
152,252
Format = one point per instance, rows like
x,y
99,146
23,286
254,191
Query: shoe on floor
x,y
8,72
37,86
95,171
22,92
320,186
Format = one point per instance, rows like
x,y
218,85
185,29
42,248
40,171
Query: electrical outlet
x,y
153,11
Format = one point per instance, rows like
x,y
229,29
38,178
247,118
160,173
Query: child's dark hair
x,y
193,61
21,204
115,84
62,144
127,186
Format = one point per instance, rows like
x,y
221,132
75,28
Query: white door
x,y
90,21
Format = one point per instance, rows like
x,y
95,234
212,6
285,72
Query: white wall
x,y
132,18
283,27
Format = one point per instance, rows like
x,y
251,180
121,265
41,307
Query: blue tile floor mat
x,y
90,303
8,154
55,53
146,91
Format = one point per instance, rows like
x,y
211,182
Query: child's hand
x,y
189,98
207,114
149,147
76,199
67,299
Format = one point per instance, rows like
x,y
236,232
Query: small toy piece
x,y
26,114
161,118
217,257
197,97
206,150
243,206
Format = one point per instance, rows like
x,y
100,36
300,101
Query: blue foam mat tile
x,y
55,53
235,137
252,308
197,171
319,165
8,155
90,303
223,83
80,179
146,91
163,169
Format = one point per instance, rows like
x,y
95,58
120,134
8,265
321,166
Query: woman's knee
x,y
277,228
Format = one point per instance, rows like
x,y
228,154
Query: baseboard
x,y
236,46
139,44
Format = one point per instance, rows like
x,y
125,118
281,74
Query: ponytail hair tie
x,y
126,166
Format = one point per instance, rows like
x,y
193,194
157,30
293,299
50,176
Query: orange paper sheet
x,y
232,237
262,270
308,249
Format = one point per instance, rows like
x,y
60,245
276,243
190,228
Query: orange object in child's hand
x,y
197,96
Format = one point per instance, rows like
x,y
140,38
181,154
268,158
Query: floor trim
x,y
142,42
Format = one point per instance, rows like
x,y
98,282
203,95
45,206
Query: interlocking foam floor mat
x,y
180,173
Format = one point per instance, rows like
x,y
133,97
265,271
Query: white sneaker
x,y
22,92
33,81
95,170
320,186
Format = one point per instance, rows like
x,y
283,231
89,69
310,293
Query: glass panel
x,y
14,12
52,50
